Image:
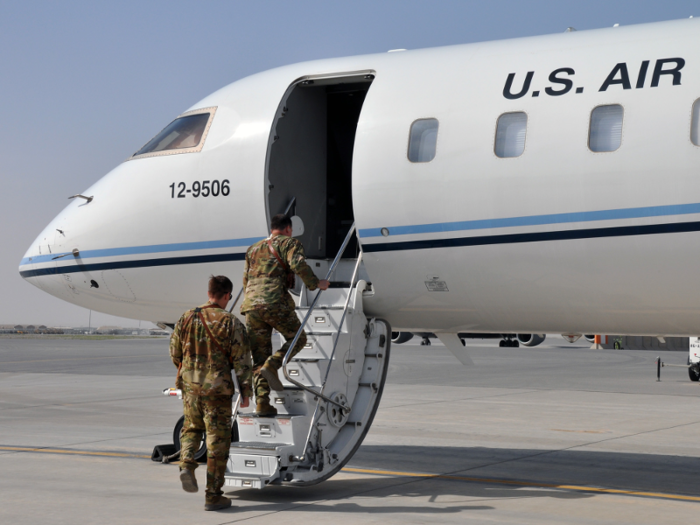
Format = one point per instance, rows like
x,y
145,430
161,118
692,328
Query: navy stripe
x,y
592,233
538,220
623,231
144,263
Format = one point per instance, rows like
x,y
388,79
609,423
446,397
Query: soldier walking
x,y
207,343
270,266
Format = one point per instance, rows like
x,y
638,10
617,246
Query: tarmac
x,y
553,434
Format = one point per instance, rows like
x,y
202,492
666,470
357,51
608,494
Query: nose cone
x,y
39,266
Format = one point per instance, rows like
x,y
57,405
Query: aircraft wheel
x,y
201,454
425,342
515,343
694,376
502,343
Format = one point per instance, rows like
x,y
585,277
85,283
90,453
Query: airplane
x,y
536,185
506,340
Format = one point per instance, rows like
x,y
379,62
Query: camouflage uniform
x,y
269,305
204,375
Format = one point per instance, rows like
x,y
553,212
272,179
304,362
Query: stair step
x,y
244,482
241,447
321,307
310,439
278,416
258,464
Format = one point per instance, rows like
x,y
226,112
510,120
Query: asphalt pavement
x,y
559,433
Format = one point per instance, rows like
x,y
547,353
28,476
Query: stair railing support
x,y
306,320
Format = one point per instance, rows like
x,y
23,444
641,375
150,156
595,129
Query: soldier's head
x,y
220,288
281,225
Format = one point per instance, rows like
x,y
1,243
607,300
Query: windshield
x,y
181,133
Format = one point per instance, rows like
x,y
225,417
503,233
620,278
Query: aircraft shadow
x,y
527,467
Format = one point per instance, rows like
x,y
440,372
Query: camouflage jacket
x,y
264,279
204,366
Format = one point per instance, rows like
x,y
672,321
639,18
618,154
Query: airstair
x,y
331,392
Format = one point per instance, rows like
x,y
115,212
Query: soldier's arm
x,y
176,344
297,263
241,358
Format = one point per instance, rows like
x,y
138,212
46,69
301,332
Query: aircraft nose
x,y
57,243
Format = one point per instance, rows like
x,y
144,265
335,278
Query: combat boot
x,y
220,503
273,378
188,480
264,408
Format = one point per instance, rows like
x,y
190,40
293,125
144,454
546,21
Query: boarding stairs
x,y
331,392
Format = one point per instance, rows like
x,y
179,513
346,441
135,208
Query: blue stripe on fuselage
x,y
537,220
140,250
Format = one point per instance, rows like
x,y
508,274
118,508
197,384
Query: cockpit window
x,y
185,134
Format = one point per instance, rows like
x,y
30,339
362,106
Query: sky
x,y
83,85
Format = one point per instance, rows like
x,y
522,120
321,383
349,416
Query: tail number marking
x,y
206,188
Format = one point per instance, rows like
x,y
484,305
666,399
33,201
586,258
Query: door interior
x,y
309,162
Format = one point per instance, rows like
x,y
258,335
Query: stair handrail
x,y
342,319
239,397
289,206
330,360
230,310
306,320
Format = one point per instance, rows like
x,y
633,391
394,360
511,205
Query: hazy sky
x,y
85,84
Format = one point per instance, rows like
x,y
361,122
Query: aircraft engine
x,y
400,337
531,339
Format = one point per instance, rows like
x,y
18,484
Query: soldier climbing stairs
x,y
332,388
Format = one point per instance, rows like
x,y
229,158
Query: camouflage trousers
x,y
213,415
260,323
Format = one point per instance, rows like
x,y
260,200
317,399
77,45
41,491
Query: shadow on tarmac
x,y
608,470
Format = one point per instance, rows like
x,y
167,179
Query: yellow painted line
x,y
517,483
525,484
73,452
78,359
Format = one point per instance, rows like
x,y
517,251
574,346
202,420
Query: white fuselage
x,y
557,239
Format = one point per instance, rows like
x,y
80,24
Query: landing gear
x,y
509,343
425,342
693,372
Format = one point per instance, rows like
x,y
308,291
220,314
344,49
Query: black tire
x,y
201,454
502,343
694,376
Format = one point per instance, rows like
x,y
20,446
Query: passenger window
x,y
510,135
422,142
605,133
695,124
184,134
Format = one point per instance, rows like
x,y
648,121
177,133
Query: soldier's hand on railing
x,y
323,284
245,402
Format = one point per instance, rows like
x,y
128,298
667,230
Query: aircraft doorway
x,y
310,159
